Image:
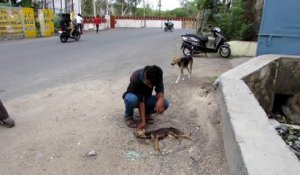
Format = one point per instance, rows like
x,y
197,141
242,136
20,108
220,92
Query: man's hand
x,y
159,106
142,115
142,125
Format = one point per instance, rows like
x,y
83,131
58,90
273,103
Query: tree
x,y
148,11
25,3
87,8
238,22
125,7
190,9
100,7
206,11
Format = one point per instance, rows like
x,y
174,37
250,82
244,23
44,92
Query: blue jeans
x,y
131,101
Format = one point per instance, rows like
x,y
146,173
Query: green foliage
x,y
148,12
100,7
248,32
191,9
5,4
25,3
87,8
178,12
56,21
235,26
231,21
125,7
188,11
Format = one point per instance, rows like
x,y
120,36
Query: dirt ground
x,y
56,127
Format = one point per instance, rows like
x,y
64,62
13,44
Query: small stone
x,y
133,155
297,144
284,128
291,137
91,153
274,123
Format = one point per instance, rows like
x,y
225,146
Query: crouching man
x,y
4,117
139,95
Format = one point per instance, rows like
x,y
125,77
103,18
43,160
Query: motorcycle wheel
x,y
225,52
77,36
63,38
165,29
172,29
186,51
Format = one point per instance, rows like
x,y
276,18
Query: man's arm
x,y
159,106
142,111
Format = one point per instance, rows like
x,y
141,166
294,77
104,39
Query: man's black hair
x,y
154,74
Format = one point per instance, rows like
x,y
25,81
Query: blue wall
x,y
280,28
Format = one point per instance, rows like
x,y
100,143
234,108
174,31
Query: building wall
x,y
139,22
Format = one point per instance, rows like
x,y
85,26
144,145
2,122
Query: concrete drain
x,y
261,91
286,111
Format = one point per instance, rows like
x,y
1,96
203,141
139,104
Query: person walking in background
x,y
97,21
79,20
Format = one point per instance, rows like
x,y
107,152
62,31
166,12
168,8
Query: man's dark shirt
x,y
137,86
63,24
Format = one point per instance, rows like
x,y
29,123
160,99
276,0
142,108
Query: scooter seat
x,y
203,39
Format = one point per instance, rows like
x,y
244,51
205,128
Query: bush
x,y
233,23
248,32
56,21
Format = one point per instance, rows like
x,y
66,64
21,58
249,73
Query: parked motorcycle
x,y
65,34
169,26
195,44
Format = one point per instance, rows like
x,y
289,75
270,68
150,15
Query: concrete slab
x,y
243,48
252,145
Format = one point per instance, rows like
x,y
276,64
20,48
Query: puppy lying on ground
x,y
162,133
185,62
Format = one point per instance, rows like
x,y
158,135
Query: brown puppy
x,y
185,62
162,133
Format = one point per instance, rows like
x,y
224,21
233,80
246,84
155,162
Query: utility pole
x,y
159,6
106,7
61,7
144,13
72,6
53,7
94,5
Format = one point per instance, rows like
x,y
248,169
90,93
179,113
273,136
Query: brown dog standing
x,y
185,62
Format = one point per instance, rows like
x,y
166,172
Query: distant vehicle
x,y
65,34
169,26
195,44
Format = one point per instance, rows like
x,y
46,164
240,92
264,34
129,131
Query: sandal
x,y
8,122
149,120
131,123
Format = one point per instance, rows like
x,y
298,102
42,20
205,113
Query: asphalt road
x,y
28,66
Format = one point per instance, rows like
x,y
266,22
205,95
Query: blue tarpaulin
x,y
280,28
